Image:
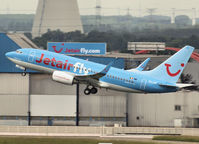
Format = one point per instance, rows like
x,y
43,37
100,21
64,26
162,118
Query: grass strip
x,y
58,140
177,138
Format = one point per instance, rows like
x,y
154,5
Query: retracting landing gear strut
x,y
88,90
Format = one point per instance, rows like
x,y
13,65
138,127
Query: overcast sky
x,y
109,6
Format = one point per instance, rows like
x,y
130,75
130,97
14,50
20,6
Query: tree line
x,y
117,41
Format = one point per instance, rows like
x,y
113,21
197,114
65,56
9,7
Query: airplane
x,y
70,70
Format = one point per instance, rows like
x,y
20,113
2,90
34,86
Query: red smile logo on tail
x,y
173,74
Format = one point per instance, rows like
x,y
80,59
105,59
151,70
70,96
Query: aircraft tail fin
x,y
171,69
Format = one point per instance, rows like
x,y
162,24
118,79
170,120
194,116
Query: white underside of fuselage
x,y
101,84
117,87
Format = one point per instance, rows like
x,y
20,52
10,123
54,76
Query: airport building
x,y
35,99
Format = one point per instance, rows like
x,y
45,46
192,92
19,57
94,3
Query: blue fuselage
x,y
135,81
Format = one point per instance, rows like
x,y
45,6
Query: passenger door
x,y
31,56
143,84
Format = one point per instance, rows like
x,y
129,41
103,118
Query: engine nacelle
x,y
63,77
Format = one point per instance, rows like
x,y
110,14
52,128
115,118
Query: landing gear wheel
x,y
24,73
93,90
87,91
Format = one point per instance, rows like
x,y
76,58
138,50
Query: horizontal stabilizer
x,y
177,85
167,85
181,85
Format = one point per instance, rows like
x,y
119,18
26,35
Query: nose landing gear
x,y
92,90
22,68
24,73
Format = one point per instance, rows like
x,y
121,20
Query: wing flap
x,y
95,76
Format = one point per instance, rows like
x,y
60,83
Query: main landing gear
x,y
89,90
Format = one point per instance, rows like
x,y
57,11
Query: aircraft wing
x,y
142,66
93,78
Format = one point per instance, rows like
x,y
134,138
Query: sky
x,y
110,7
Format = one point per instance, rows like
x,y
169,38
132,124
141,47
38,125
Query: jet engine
x,y
63,77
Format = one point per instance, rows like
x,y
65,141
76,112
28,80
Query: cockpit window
x,y
18,52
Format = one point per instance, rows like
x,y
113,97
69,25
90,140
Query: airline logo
x,y
77,67
170,73
54,63
78,48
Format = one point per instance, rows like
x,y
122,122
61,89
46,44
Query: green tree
x,y
182,20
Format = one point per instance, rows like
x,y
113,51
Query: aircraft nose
x,y
9,54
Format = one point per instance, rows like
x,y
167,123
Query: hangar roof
x,y
21,40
